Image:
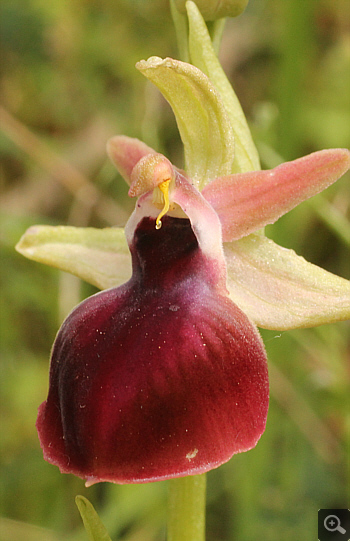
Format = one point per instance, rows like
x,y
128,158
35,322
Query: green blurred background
x,y
68,83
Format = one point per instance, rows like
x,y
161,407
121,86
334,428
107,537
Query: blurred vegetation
x,y
67,84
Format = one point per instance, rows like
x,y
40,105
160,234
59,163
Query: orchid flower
x,y
164,373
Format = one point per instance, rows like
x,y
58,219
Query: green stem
x,y
186,508
216,29
181,29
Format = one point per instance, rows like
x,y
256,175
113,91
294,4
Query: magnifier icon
x,y
332,524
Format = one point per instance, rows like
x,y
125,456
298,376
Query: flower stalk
x,y
186,508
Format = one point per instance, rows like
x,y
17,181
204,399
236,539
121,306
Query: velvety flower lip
x,y
161,377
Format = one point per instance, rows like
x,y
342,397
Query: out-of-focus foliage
x,y
68,83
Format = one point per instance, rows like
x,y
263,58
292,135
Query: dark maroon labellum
x,y
161,377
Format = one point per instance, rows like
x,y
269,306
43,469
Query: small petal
x,y
203,123
203,57
279,290
248,202
98,256
125,152
161,377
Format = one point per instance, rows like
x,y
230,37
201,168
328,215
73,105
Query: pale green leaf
x,y
202,120
279,290
203,56
92,523
98,256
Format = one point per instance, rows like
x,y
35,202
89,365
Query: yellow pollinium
x,y
164,188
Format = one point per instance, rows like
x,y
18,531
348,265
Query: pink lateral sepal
x,y
247,202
